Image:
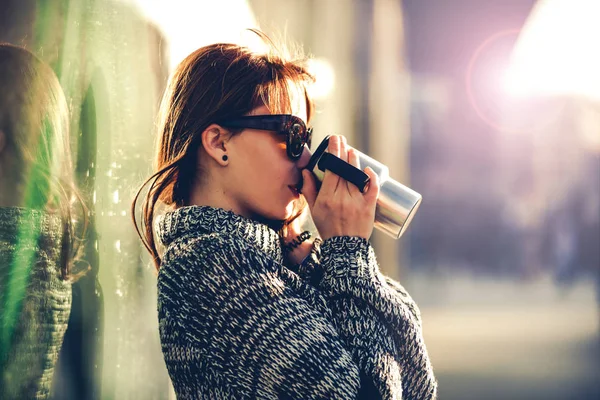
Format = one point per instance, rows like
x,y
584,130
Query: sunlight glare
x,y
556,53
188,25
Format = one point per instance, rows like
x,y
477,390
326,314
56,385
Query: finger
x,y
330,180
353,157
344,156
353,160
309,187
372,192
334,145
343,148
330,184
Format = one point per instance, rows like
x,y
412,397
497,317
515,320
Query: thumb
x,y
309,187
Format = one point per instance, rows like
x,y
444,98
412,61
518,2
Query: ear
x,y
214,139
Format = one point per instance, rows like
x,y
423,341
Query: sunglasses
x,y
297,134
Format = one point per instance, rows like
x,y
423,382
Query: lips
x,y
297,188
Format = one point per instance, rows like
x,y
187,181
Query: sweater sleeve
x,y
230,328
310,269
354,286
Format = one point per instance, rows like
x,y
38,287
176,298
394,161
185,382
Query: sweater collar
x,y
195,220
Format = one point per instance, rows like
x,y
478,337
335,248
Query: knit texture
x,y
237,323
35,309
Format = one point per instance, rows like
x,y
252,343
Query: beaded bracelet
x,y
301,238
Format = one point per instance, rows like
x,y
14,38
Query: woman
x,y
37,242
248,307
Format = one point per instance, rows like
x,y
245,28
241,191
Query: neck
x,y
214,196
217,197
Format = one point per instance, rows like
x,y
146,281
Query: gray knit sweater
x,y
35,302
236,323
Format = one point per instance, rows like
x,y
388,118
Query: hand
x,y
339,208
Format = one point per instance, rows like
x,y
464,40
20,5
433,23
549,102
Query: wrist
x,y
348,257
299,253
297,242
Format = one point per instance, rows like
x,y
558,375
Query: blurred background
x,y
488,108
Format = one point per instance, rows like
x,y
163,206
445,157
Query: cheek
x,y
262,175
264,169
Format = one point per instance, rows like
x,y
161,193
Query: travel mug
x,y
396,205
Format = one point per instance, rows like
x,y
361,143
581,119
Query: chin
x,y
281,213
274,214
276,211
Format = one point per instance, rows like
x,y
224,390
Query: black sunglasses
x,y
297,135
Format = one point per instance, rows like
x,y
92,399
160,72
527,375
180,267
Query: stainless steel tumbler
x,y
396,205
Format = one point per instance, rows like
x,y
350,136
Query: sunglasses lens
x,y
296,140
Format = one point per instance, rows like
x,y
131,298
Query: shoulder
x,y
214,249
194,245
211,266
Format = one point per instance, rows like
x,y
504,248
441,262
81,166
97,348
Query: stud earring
x,y
225,158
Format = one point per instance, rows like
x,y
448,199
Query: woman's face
x,y
260,176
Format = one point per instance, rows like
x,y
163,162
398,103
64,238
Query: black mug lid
x,y
318,153
327,161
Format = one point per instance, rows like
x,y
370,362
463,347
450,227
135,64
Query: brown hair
x,y
215,82
35,119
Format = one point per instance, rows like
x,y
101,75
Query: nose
x,y
302,162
